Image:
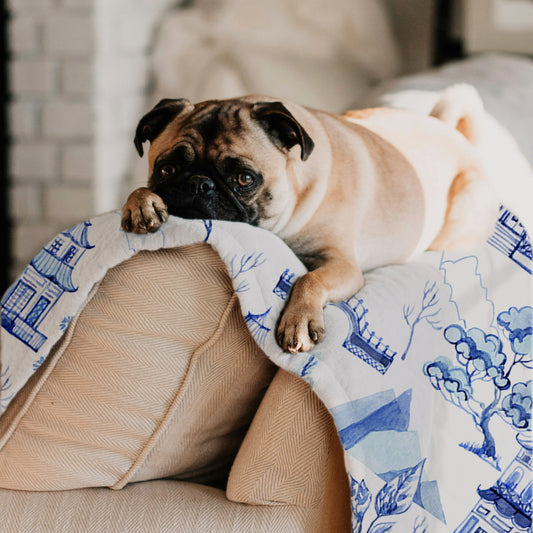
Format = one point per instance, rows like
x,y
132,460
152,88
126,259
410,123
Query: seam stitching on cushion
x,y
65,343
177,398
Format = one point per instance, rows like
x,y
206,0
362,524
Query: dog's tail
x,y
461,107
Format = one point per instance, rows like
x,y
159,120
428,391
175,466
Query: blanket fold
x,y
426,371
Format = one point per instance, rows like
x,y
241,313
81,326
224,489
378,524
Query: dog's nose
x,y
200,185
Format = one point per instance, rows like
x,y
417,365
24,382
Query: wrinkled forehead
x,y
211,131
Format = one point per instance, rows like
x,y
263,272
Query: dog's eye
x,y
168,170
244,180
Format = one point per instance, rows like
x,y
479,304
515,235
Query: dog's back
x,y
461,107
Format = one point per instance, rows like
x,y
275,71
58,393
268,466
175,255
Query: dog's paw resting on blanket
x,y
143,212
346,193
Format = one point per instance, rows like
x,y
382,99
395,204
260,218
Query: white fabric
x,y
414,368
504,82
228,48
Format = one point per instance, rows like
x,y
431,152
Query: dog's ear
x,y
155,121
284,130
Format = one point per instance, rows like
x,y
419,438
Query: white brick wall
x,y
24,35
68,34
51,120
77,163
78,75
33,76
34,161
26,201
24,119
65,120
77,78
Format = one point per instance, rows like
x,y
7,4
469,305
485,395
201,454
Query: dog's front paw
x,y
143,212
300,328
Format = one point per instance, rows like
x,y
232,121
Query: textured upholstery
x,y
159,377
153,379
151,507
292,454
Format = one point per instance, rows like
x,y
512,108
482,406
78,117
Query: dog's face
x,y
224,159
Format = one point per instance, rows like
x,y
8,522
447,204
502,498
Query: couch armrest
x,y
292,455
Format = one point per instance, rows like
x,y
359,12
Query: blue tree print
x,y
517,406
242,265
517,325
428,311
480,359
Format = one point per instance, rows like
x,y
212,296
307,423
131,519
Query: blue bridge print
x,y
41,285
362,342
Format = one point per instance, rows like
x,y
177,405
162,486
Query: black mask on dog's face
x,y
193,185
197,170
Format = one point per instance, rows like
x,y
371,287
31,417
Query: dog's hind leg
x,y
471,214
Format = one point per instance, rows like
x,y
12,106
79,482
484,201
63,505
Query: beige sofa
x,y
158,412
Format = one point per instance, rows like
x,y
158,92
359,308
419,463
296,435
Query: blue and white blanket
x,y
426,371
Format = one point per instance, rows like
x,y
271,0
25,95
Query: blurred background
x,y
78,74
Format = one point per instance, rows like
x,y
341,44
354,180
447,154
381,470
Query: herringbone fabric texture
x,y
151,507
158,376
292,454
153,379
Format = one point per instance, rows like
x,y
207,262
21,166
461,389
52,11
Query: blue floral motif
x,y
360,502
395,497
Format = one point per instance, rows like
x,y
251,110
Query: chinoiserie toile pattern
x,y
426,371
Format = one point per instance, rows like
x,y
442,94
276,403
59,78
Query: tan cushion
x,y
292,455
157,376
150,507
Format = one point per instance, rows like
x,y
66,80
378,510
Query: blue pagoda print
x,y
506,506
42,284
256,325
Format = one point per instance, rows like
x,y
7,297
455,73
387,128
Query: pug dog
x,y
347,193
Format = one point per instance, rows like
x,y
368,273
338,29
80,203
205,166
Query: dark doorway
x,y
5,226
